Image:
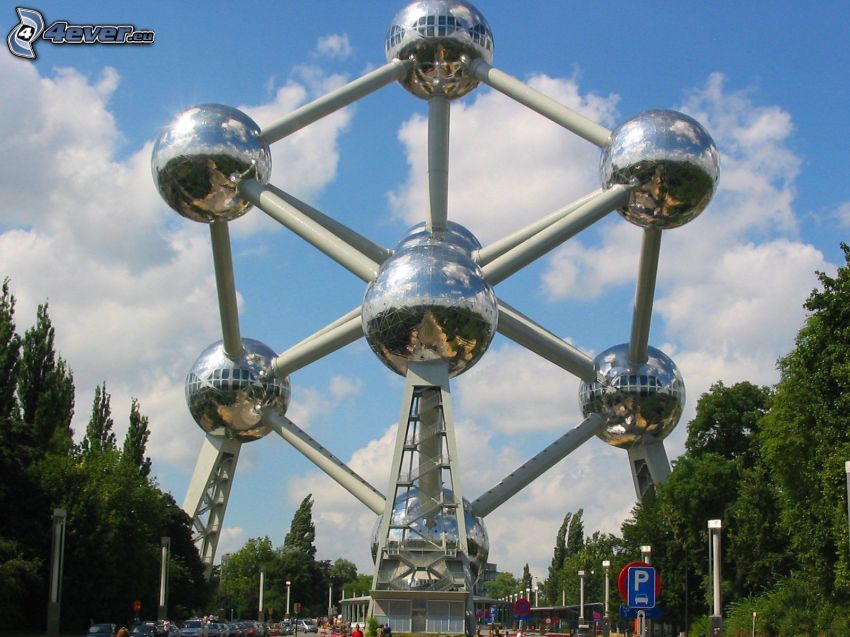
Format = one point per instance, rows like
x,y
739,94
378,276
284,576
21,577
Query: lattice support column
x,y
422,539
209,490
649,465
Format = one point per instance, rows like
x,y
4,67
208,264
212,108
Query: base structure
x,y
424,577
209,490
649,465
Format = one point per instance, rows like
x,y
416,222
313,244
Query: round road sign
x,y
522,607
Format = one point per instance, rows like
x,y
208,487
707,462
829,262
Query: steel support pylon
x,y
414,551
209,490
649,464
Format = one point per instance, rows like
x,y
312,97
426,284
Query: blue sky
x,y
131,288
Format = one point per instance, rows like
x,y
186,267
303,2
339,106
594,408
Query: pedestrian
x,y
356,632
388,632
380,631
122,632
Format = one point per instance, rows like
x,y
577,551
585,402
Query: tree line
x,y
116,513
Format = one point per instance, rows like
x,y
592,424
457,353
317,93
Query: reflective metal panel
x,y
437,34
672,160
636,401
430,302
416,526
200,157
227,397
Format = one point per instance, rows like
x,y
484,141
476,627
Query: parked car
x,y
305,626
193,628
101,630
144,629
274,630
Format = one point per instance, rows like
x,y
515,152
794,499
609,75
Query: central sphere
x,y
200,157
437,34
227,397
415,532
638,402
430,302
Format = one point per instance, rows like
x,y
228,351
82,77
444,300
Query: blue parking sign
x,y
641,587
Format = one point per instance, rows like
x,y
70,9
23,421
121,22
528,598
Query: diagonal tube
x,y
335,100
267,200
644,294
535,247
317,347
537,101
327,328
325,460
439,111
522,330
226,286
496,249
537,466
372,250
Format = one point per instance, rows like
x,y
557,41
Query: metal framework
x,y
410,554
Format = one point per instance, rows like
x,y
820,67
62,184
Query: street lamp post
x,y
714,528
165,552
581,597
57,557
261,613
536,596
606,620
288,585
754,623
646,553
847,471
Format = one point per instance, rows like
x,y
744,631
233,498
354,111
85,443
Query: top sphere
x,y
671,160
436,34
638,402
200,157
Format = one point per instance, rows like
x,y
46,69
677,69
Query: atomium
x,y
415,526
201,156
430,302
227,397
429,311
638,402
672,162
438,35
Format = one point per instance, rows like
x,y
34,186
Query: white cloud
x,y
844,214
130,284
335,45
309,404
508,165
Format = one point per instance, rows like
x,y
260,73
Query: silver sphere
x,y
437,34
227,397
422,532
430,302
454,234
636,401
200,157
672,161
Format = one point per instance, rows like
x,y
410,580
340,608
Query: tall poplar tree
x,y
136,440
302,531
99,435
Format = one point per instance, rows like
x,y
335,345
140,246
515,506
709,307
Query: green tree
x,y
45,391
302,532
805,438
572,522
502,585
525,581
99,435
136,440
727,421
341,572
